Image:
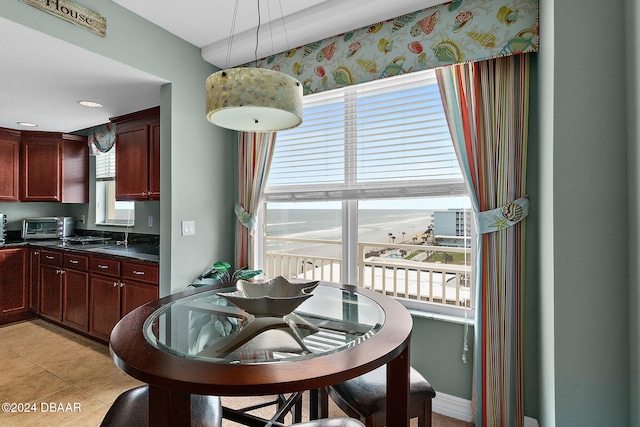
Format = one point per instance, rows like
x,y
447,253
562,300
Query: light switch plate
x,y
188,228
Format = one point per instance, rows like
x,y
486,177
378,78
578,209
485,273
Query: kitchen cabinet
x,y
9,165
64,286
14,292
138,155
34,280
54,168
139,285
116,288
51,284
75,305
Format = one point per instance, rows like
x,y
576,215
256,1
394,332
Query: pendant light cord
x,y
255,53
284,27
233,28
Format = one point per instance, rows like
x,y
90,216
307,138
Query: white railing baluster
x,y
403,278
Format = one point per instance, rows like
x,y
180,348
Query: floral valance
x,y
455,32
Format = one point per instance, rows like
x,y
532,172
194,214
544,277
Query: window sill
x,y
115,224
442,317
432,311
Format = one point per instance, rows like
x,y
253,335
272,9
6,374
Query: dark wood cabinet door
x,y
154,161
75,170
13,286
41,170
51,292
76,299
104,306
135,294
34,280
9,168
132,163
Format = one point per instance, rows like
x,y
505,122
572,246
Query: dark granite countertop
x,y
136,251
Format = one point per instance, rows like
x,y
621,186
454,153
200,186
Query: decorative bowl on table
x,y
274,298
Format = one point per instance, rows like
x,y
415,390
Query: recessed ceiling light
x,y
90,104
27,124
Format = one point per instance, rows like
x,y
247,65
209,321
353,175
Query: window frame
x,y
350,241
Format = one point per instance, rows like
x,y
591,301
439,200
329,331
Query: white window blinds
x,y
106,165
384,139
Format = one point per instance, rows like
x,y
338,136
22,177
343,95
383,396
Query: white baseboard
x,y
460,409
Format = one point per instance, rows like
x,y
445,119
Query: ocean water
x,y
374,225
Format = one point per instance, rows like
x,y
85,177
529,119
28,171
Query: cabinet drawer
x,y
107,266
51,258
140,272
75,262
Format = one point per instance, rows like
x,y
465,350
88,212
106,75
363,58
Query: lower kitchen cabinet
x,y
87,293
34,280
75,307
135,294
14,292
104,306
116,288
51,285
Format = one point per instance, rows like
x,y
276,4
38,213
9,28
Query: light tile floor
x,y
61,378
52,377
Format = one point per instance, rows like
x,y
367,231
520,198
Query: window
x,y
356,193
109,211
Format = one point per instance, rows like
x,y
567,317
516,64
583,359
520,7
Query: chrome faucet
x,y
124,242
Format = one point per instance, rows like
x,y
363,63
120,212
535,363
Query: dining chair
x,y
131,408
364,397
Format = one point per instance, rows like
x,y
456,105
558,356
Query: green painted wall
x,y
632,37
436,352
584,215
197,158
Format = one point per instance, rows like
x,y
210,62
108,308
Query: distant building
x,y
453,227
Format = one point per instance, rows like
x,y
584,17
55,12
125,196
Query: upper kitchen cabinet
x,y
138,155
9,165
55,168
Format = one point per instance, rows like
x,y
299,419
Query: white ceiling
x,y
284,24
43,78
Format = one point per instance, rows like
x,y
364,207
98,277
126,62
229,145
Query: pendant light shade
x,y
254,100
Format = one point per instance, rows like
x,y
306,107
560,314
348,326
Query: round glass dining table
x,y
197,342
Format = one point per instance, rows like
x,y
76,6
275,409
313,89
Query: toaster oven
x,y
50,227
3,227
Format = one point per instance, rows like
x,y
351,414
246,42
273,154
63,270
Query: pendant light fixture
x,y
253,99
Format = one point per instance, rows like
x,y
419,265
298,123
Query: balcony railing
x,y
398,270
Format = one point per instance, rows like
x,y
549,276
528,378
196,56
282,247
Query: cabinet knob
x,y
104,267
48,257
115,284
143,194
74,261
139,273
148,193
122,284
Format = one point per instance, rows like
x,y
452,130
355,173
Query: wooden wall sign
x,y
74,13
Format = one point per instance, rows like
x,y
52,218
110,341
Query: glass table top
x,y
205,326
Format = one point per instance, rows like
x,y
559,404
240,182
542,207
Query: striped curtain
x,y
255,151
486,104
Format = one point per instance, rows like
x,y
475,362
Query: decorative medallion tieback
x,y
503,217
245,217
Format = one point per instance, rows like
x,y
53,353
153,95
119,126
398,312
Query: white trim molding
x,y
460,409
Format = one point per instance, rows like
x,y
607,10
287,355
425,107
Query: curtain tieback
x,y
503,217
245,217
